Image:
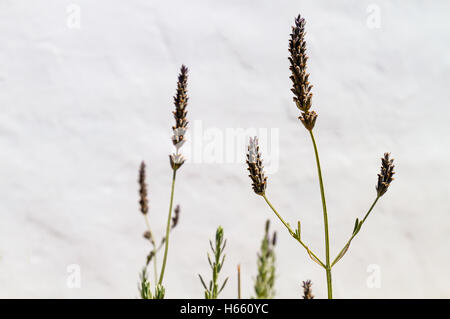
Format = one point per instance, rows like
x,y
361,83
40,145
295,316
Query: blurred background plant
x,y
265,279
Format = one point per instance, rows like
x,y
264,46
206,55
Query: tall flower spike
x,y
180,127
386,175
300,78
255,167
143,201
180,101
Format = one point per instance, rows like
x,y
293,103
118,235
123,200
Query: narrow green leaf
x,y
203,282
223,285
356,225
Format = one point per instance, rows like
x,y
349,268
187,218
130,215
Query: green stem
x,y
370,209
169,219
340,255
155,266
325,219
292,232
152,239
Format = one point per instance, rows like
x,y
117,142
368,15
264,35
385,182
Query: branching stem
x,y
317,259
340,255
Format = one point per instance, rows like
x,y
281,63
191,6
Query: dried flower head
x,y
308,119
300,78
150,257
307,292
143,201
255,167
180,101
147,235
386,175
176,216
176,160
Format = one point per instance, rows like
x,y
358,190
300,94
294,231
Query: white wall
x,y
80,108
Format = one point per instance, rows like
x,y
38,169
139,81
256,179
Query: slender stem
x,y
155,266
329,282
292,232
239,281
325,219
340,255
152,239
169,219
278,215
370,209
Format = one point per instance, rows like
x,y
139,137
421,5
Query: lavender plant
x,y
213,290
265,280
144,286
176,161
301,88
